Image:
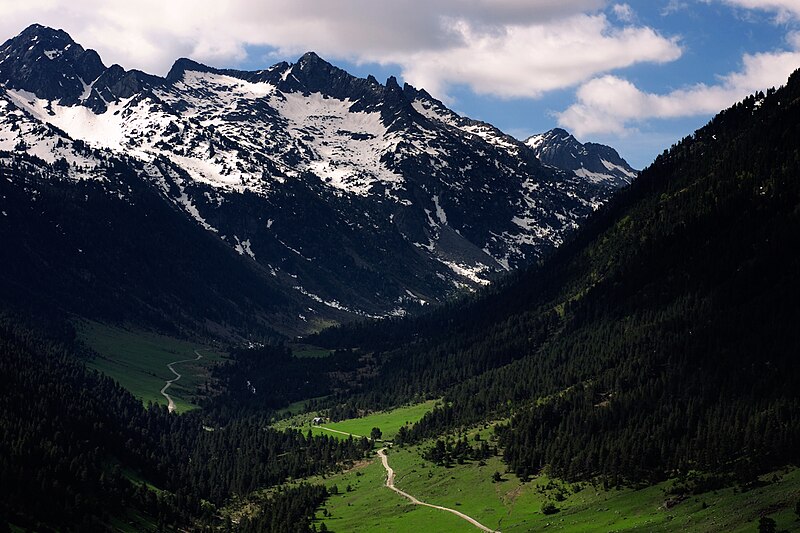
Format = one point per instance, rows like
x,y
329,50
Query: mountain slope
x,y
316,176
661,339
109,247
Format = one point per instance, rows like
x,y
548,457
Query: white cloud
x,y
624,12
512,48
527,61
785,9
610,104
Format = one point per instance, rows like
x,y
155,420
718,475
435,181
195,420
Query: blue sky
x,y
713,38
637,75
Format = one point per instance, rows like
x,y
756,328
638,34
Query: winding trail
x,y
412,499
340,432
170,403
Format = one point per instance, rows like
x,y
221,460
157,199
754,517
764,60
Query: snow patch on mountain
x,y
471,272
434,111
100,131
594,177
243,247
164,174
335,304
440,214
346,146
620,169
19,131
226,90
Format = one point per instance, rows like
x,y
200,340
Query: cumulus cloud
x,y
610,104
522,61
513,48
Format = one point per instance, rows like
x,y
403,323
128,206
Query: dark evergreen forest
x,y
75,447
663,337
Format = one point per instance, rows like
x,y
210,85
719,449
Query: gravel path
x,y
170,403
415,501
340,432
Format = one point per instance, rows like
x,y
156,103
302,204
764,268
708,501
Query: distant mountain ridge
x,y
313,176
559,148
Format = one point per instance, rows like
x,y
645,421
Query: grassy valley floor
x,y
389,422
363,503
138,361
512,506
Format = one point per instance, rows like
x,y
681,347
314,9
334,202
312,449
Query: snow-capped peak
x,y
594,162
352,190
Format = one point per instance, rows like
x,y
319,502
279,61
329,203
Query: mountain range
x,y
342,197
636,370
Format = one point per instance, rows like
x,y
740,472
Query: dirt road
x,y
415,501
340,432
170,403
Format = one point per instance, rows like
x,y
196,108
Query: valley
x,y
295,300
361,500
140,362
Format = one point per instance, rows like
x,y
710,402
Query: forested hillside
x,y
111,249
76,448
662,338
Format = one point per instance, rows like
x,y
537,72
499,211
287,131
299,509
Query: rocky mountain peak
x,y
313,175
311,60
37,35
311,73
553,142
595,162
391,84
183,65
49,64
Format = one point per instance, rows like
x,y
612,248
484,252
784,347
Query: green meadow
x,y
389,422
513,506
308,350
363,503
138,360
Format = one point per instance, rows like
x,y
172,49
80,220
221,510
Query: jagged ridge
x,y
317,176
592,161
